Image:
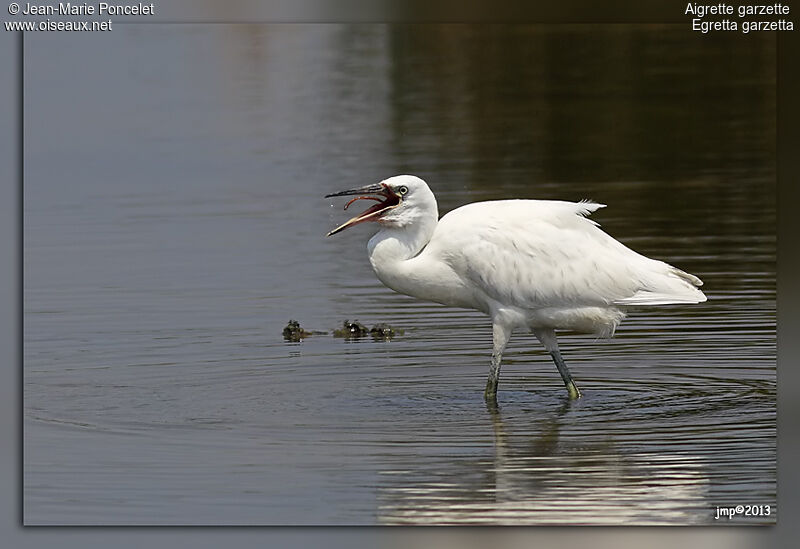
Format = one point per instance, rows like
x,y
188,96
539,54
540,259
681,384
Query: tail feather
x,y
686,276
677,287
643,297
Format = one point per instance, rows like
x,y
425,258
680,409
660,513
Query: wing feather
x,y
534,254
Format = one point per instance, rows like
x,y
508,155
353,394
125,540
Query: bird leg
x,y
548,339
500,336
494,377
572,389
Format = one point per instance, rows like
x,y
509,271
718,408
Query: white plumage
x,y
534,264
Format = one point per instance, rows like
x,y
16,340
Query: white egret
x,y
534,264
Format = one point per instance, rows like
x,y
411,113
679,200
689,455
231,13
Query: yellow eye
x,y
402,190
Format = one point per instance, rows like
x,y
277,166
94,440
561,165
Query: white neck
x,y
393,249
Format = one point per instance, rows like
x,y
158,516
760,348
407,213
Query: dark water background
x,y
174,222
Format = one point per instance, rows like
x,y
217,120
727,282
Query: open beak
x,y
373,213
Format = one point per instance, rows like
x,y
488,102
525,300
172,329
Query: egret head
x,y
405,199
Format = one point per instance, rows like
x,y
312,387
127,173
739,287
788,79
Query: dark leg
x,y
500,335
548,339
572,389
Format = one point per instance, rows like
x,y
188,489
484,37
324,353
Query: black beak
x,y
377,188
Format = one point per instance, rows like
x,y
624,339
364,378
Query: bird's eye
x,y
402,190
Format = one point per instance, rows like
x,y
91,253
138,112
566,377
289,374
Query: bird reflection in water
x,y
548,476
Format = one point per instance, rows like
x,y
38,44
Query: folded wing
x,y
537,253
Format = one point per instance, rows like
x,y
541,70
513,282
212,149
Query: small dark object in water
x,y
351,329
294,332
382,331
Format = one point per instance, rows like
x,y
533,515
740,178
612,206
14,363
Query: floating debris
x,y
351,329
294,332
383,331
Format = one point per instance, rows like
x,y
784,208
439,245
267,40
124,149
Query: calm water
x,y
174,222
